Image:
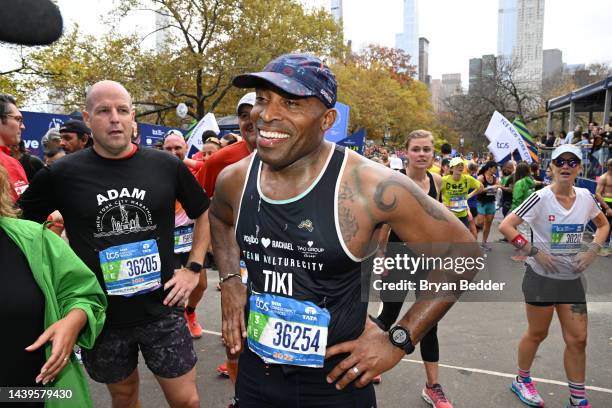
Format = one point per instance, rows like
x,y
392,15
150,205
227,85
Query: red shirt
x,y
207,175
16,174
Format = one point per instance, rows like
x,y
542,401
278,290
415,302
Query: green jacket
x,y
66,284
522,190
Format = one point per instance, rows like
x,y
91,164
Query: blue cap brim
x,y
276,80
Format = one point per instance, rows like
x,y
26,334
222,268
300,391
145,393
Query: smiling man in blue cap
x,y
301,212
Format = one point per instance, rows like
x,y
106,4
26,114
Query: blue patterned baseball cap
x,y
300,75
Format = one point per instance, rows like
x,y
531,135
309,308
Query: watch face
x,y
194,266
399,336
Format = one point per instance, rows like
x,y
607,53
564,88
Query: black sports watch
x,y
400,337
194,267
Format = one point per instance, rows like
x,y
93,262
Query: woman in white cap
x,y
557,215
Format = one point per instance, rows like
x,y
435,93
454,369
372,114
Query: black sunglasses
x,y
573,163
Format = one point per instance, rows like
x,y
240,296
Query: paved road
x,y
478,344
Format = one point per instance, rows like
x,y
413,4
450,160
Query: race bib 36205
x,y
131,269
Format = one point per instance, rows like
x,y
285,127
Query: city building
x,y
527,54
506,27
552,67
475,75
451,85
408,40
482,74
336,10
424,61
437,101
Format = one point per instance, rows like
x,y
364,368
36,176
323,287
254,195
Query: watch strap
x,y
194,267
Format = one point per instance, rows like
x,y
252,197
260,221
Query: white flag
x,y
208,122
505,138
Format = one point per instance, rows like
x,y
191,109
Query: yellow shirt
x,y
454,193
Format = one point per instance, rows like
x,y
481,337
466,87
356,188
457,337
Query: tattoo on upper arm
x,y
347,220
579,308
429,205
348,224
345,193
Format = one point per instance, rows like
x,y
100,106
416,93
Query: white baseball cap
x,y
567,148
455,161
248,99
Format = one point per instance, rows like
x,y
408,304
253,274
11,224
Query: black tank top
x,y
433,193
486,196
301,238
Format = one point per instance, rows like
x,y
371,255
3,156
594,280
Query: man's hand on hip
x,y
182,283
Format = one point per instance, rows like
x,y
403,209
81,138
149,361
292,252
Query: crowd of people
x,y
290,219
595,143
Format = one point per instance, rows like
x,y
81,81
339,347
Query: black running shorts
x,y
542,291
166,345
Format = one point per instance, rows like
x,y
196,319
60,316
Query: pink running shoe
x,y
527,393
435,397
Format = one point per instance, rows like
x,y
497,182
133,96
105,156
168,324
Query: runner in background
x,y
558,215
11,125
475,219
175,144
486,199
603,193
455,190
419,145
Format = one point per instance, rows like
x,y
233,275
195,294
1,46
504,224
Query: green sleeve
x,y
519,193
75,286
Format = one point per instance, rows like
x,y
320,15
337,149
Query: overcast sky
x,y
457,29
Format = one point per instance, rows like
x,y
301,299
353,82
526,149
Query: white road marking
x,y
479,371
498,374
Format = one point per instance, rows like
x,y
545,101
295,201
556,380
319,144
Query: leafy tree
x,y
378,86
208,43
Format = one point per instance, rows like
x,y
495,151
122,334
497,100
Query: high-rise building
x,y
408,40
475,75
451,85
437,101
482,74
506,27
552,64
336,10
424,61
527,55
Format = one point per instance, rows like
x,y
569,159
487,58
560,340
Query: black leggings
x,y
430,350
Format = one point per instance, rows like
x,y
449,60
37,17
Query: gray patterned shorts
x,y
166,345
